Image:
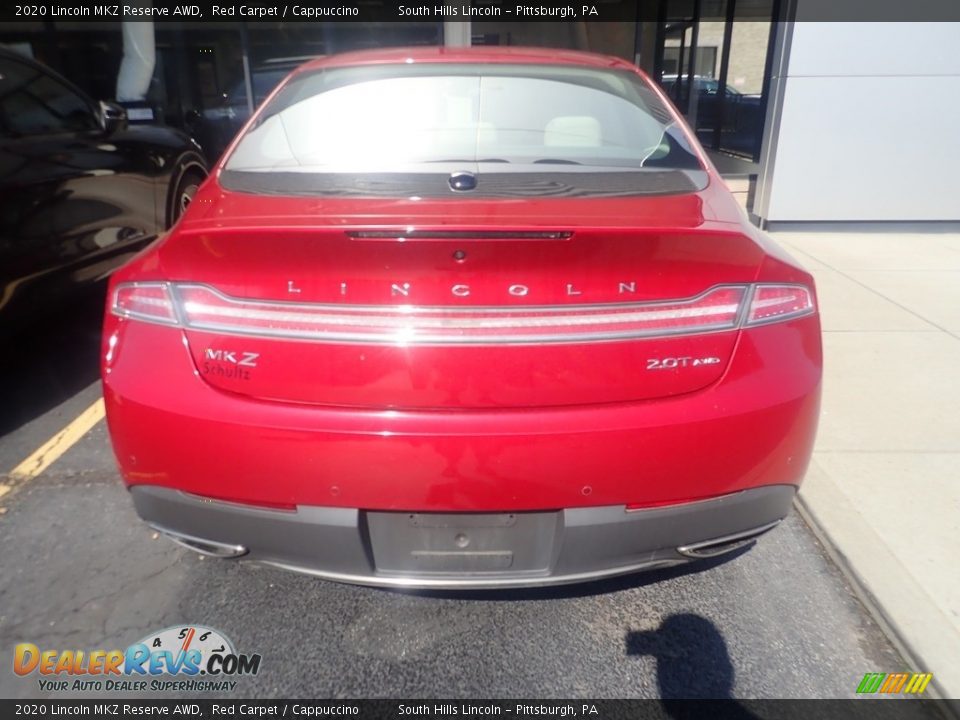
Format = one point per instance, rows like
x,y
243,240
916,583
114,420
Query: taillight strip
x,y
561,318
206,309
200,307
777,302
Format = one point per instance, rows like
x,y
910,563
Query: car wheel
x,y
185,191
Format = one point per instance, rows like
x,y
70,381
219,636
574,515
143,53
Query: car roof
x,y
481,54
285,63
12,54
18,56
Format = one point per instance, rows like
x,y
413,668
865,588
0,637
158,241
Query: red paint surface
x,y
465,428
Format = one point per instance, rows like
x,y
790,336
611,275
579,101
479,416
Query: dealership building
x,y
811,121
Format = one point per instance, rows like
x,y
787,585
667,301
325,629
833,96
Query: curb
x,y
888,625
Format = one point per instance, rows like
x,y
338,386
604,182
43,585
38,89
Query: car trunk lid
x,y
514,309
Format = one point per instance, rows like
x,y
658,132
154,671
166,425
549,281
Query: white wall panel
x,y
869,125
875,48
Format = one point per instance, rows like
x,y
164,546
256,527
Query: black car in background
x,y
216,126
80,190
741,124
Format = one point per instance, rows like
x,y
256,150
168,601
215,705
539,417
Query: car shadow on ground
x,y
689,651
692,663
51,359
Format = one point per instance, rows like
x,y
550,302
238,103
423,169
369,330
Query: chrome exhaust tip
x,y
726,544
210,548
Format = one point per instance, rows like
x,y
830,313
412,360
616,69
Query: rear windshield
x,y
405,129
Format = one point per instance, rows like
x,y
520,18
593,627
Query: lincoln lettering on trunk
x,y
463,289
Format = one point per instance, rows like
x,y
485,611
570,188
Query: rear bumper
x,y
753,428
397,549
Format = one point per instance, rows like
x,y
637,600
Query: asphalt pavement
x,y
78,570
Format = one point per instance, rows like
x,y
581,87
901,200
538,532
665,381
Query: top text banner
x,y
327,11
466,10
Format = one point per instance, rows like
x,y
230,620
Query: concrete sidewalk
x,y
884,484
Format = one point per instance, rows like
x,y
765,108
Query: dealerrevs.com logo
x,y
182,658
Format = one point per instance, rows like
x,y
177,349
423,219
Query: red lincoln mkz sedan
x,y
463,318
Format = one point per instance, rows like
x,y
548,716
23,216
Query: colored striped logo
x,y
912,683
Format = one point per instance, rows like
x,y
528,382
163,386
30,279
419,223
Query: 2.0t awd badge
x,y
670,363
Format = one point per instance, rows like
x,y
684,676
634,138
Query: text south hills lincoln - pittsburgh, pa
x,y
562,710
561,12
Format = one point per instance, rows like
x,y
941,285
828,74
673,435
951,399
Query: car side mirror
x,y
113,117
